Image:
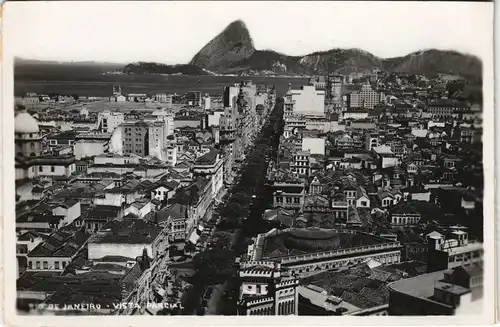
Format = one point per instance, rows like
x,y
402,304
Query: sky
x,y
172,32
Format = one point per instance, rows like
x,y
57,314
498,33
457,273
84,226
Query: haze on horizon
x,y
173,32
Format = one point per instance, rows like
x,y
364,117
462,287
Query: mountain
x,y
232,45
436,61
233,52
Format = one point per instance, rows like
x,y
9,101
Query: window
x,y
30,265
363,203
45,265
56,265
64,264
52,169
32,145
37,265
40,168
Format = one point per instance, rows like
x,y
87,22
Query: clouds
x,y
172,32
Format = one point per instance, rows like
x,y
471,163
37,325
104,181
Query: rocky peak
x,y
233,44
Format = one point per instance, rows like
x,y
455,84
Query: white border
x,y
12,319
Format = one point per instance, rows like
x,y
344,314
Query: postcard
x,y
247,163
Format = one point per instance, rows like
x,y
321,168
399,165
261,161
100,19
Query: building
x,y
206,101
90,148
306,250
27,136
45,165
193,98
288,195
300,163
211,166
164,99
146,139
128,238
308,101
314,145
454,251
365,97
334,88
266,290
441,109
56,252
355,114
107,121
318,82
458,291
175,219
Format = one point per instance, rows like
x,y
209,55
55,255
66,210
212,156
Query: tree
x,y
75,96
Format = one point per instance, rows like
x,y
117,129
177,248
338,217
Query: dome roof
x,y
25,123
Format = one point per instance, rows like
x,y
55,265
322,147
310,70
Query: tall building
x,y
206,102
266,290
145,139
107,121
231,92
365,97
334,88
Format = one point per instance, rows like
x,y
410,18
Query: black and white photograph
x,y
229,159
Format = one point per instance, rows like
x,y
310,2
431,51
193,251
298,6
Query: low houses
x,y
56,252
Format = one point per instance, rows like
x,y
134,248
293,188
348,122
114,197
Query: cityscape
x,y
342,192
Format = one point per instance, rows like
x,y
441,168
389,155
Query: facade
x,y
90,148
288,195
454,251
366,97
211,166
146,139
308,101
334,88
266,290
314,145
27,136
193,98
107,121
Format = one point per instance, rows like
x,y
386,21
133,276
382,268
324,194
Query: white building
x,y
313,144
107,121
308,101
214,118
90,148
206,102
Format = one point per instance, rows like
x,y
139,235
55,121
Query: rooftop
x,y
134,231
296,241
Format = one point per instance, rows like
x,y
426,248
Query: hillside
x,y
151,68
436,61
